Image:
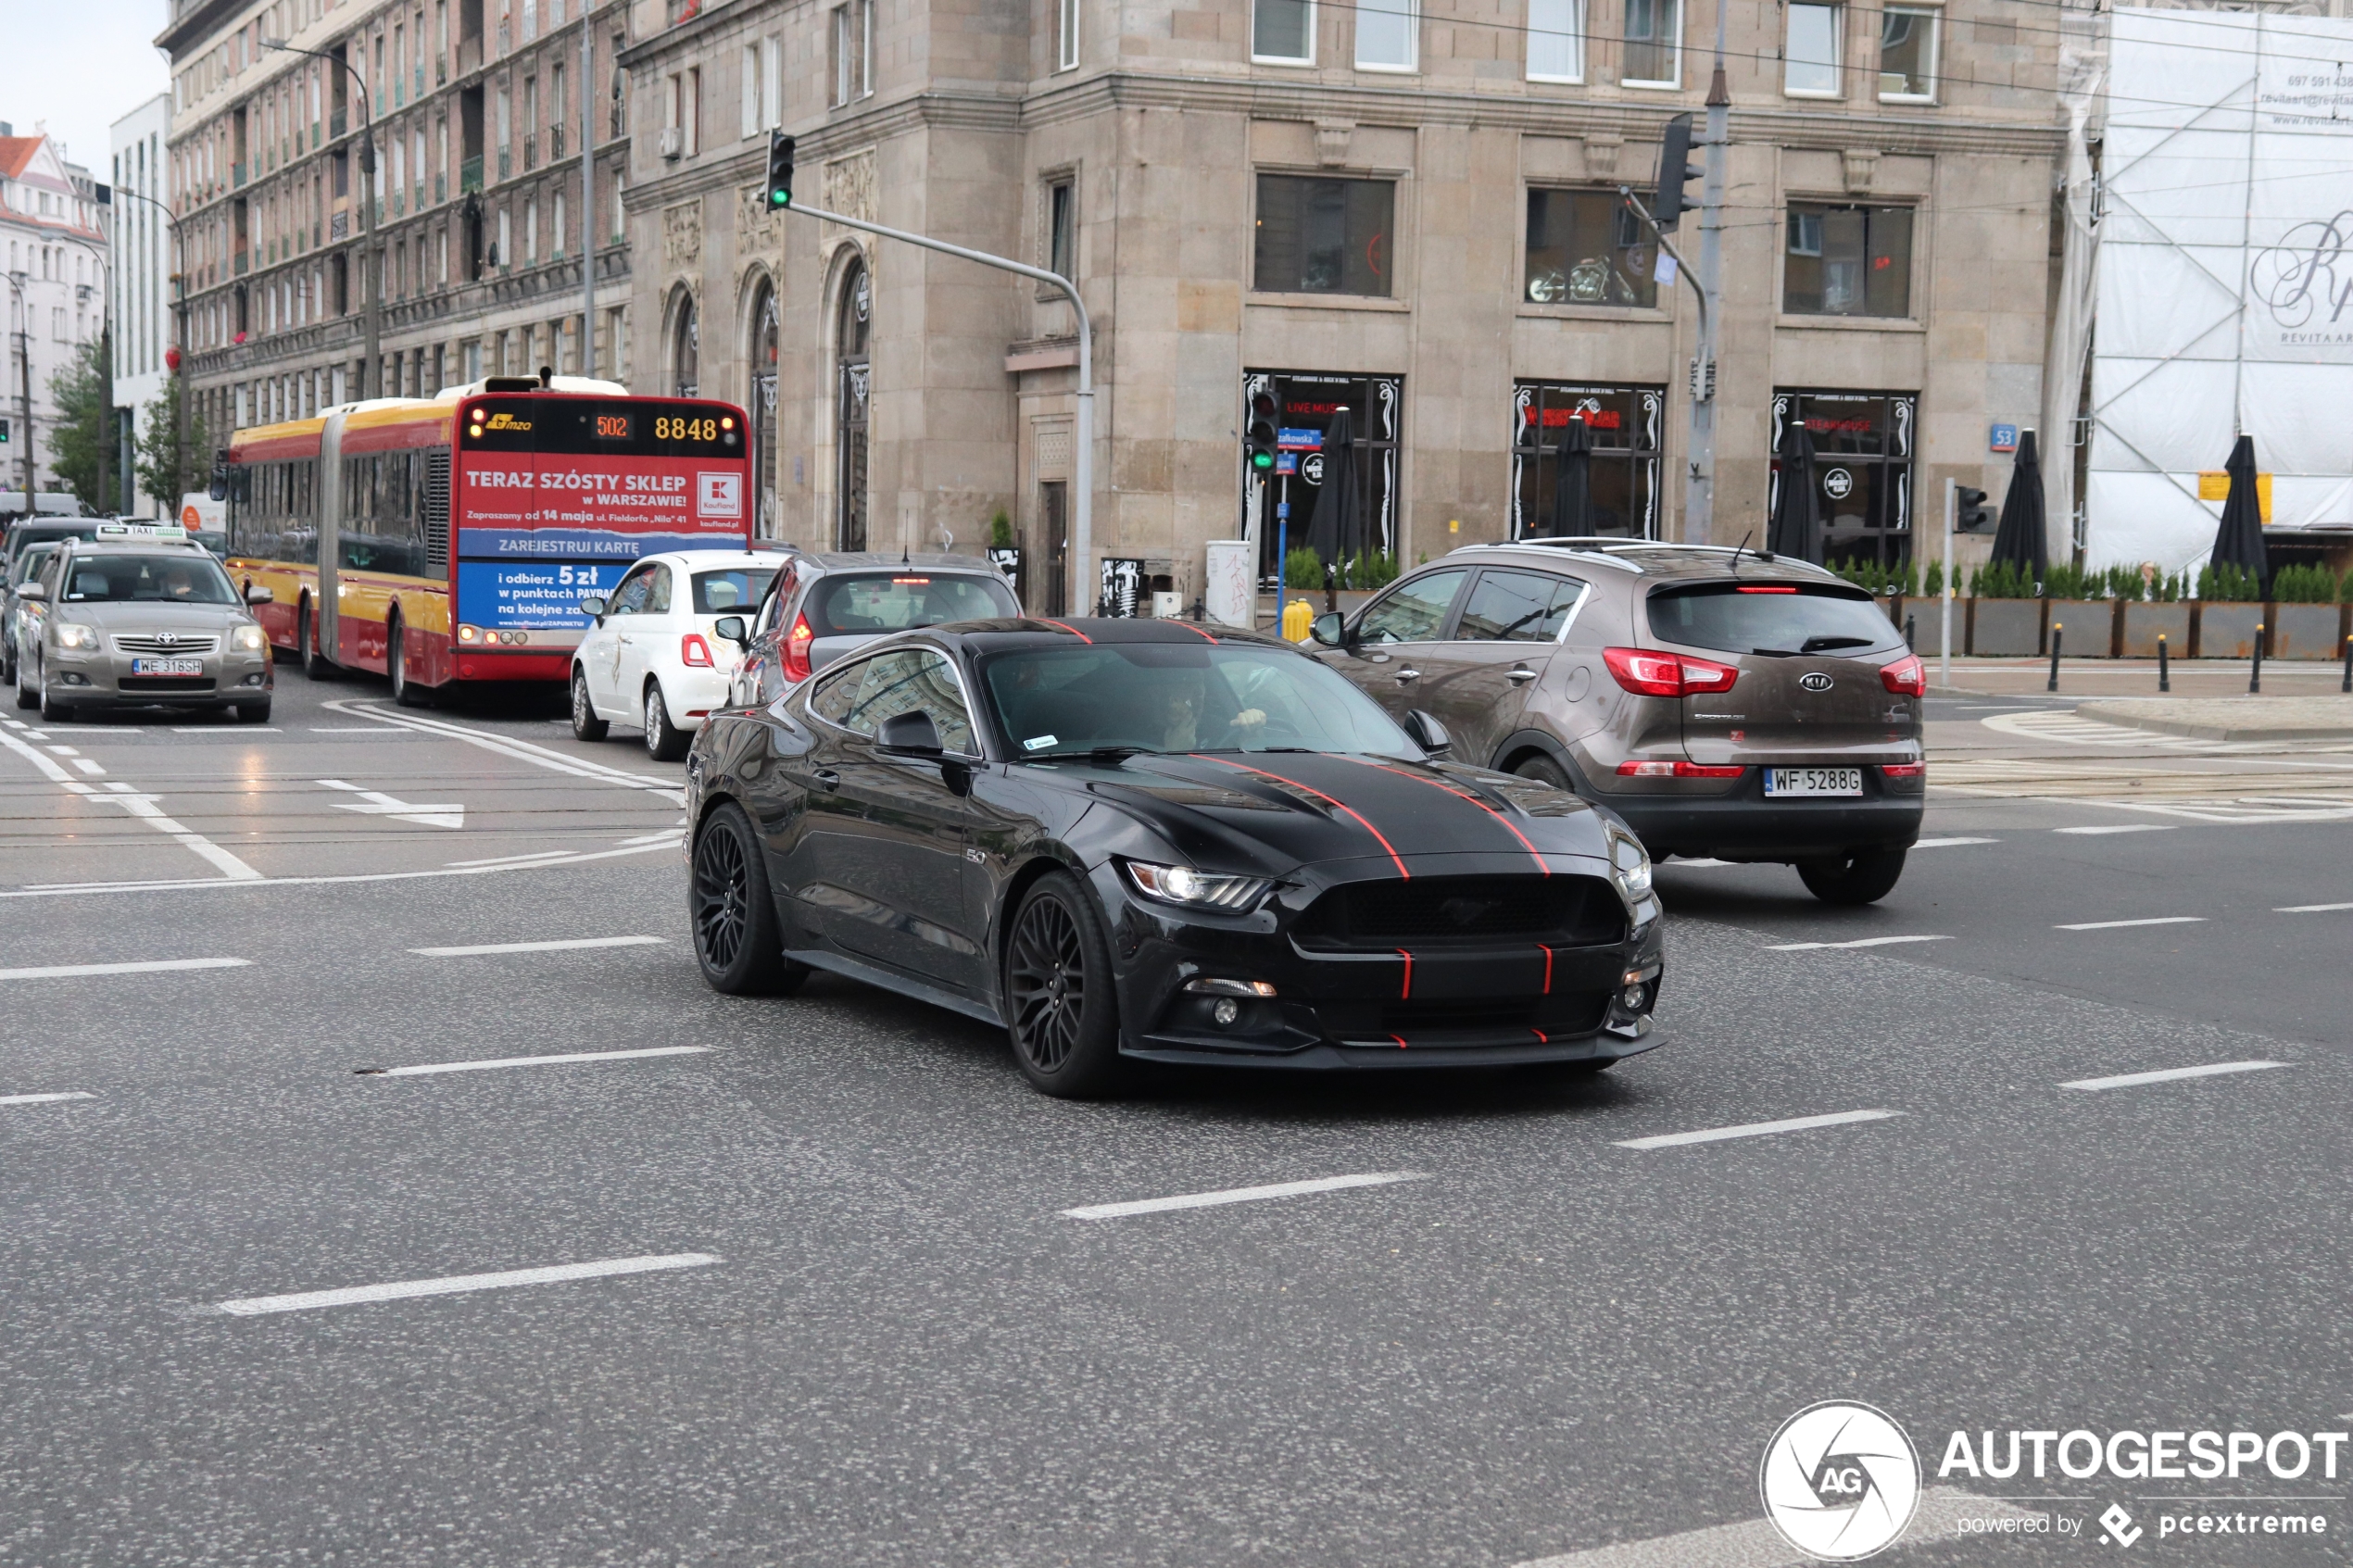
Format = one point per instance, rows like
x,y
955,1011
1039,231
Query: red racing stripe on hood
x,y
1463,794
1318,795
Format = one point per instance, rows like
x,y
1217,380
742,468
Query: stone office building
x,y
478,112
1401,208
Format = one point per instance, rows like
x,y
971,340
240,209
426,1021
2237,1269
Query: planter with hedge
x,y
2309,609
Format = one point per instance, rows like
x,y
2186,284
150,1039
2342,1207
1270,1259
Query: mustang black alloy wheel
x,y
736,940
1063,1015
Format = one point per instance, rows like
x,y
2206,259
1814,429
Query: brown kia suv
x,y
1725,703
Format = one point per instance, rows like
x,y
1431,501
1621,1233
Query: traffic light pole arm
x,y
1079,604
1683,270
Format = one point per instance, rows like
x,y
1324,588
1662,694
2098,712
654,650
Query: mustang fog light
x,y
1221,987
1634,997
1225,1011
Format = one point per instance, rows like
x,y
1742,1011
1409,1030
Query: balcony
x,y
238,267
470,175
236,176
505,162
531,151
339,227
440,188
335,126
554,143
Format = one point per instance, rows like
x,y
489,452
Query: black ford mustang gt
x,y
1137,839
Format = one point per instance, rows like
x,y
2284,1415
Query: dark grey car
x,y
820,607
1725,704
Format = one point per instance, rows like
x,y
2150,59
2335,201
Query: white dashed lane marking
x,y
2310,908
1757,1129
308,1300
44,1100
538,947
148,966
1859,941
1240,1195
1755,1543
419,1072
2128,827
2168,1076
2120,924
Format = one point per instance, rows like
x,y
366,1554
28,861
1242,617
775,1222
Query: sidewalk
x,y
2133,677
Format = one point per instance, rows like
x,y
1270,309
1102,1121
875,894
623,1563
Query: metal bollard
x,y
2165,674
1910,640
2348,686
2255,677
2056,627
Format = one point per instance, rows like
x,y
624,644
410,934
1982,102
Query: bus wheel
x,y
404,692
316,666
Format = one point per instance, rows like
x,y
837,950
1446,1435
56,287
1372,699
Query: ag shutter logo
x,y
1840,1481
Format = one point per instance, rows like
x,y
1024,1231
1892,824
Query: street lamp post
x,y
179,343
24,385
368,290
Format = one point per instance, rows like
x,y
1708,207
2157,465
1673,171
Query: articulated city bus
x,y
452,538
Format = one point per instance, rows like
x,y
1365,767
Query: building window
x,y
749,120
1387,34
1623,430
1809,63
1307,466
1587,247
772,82
1653,44
1863,446
1283,32
1848,261
845,57
1065,35
1062,229
1555,40
1907,54
1318,235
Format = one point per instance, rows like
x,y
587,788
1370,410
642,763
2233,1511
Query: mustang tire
x,y
736,939
1864,876
1061,1008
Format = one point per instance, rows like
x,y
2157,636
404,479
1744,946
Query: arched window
x,y
762,404
851,334
685,349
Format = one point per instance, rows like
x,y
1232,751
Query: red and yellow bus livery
x,y
452,539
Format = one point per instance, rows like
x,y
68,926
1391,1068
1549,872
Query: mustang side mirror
x,y
1428,733
257,595
909,735
1329,630
593,606
732,628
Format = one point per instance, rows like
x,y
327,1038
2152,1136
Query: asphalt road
x,y
861,1328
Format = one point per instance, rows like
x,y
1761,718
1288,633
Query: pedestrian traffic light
x,y
1676,172
1260,444
1973,516
779,169
5,436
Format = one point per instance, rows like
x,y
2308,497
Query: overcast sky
x,y
81,65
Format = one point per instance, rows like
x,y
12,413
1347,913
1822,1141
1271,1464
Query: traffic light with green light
x,y
1260,444
779,169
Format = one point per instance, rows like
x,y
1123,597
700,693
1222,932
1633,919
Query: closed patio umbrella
x,y
2239,541
1573,482
1795,527
1333,534
2018,539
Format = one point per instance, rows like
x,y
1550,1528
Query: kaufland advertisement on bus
x,y
556,496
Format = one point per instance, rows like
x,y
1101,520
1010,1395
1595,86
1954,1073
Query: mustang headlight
x,y
248,638
1629,863
1200,890
73,635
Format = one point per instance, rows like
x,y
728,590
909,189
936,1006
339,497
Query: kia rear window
x,y
869,604
1781,619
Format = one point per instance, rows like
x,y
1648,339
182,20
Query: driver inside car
x,y
1180,703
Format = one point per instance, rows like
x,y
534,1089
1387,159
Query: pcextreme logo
x,y
1840,1481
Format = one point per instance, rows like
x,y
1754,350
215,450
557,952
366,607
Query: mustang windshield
x,y
1162,696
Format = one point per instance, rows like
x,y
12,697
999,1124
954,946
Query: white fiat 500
x,y
652,657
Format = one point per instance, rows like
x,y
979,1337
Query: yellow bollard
x,y
1298,616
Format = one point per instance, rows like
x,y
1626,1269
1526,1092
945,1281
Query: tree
x,y
165,471
80,449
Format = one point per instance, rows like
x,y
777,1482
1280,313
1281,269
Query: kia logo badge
x,y
1817,682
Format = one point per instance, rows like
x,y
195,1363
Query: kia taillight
x,y
1667,675
1903,770
1906,677
1679,770
797,649
693,652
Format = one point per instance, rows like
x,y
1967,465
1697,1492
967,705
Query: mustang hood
x,y
1276,811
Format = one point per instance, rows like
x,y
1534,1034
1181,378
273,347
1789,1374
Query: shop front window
x,y
1587,247
1864,450
1316,235
1623,427
1848,260
1307,465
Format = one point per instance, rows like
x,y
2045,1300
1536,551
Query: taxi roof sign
x,y
142,531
